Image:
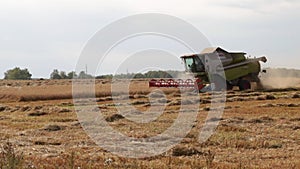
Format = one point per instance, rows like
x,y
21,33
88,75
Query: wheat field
x,y
40,128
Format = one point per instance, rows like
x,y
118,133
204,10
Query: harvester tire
x,y
229,86
220,83
244,84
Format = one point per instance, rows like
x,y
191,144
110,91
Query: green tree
x,y
17,74
55,74
63,75
83,75
72,75
139,76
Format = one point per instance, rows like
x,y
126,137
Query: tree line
x,y
63,75
149,74
24,74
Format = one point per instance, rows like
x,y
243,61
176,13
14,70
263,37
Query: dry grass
x,y
9,158
62,89
46,130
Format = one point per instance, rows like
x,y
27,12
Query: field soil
x,y
40,128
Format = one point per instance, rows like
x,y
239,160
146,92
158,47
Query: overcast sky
x,y
43,35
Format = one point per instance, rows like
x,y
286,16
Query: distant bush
x,y
17,74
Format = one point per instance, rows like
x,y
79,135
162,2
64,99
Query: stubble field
x,y
40,129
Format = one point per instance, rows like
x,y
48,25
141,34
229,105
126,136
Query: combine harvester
x,y
214,67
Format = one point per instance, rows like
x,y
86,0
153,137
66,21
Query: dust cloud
x,y
280,78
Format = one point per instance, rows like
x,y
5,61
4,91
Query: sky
x,y
43,35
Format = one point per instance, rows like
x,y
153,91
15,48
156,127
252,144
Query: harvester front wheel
x,y
244,84
229,86
219,82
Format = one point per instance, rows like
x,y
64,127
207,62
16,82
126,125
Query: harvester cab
x,y
202,63
193,63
